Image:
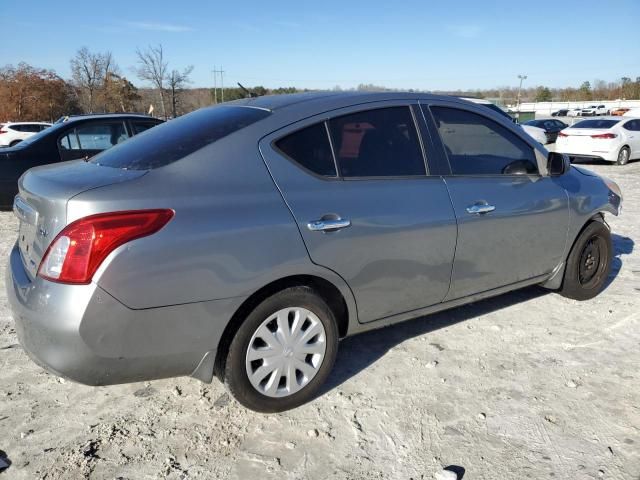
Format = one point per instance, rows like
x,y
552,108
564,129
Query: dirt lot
x,y
527,385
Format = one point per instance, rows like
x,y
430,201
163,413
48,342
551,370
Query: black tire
x,y
588,264
14,143
623,156
235,372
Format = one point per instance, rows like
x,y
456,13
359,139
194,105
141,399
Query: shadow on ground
x,y
360,351
4,461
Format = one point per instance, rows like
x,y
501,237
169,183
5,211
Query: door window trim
x,y
539,157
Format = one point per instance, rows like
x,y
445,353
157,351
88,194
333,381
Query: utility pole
x,y
522,78
215,83
215,88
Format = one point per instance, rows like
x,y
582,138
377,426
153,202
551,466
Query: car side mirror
x,y
558,164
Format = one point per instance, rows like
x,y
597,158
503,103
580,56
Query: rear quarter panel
x,y
231,235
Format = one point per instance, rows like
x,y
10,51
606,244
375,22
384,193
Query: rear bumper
x,y
82,333
607,153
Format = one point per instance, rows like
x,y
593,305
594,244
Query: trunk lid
x,y
41,204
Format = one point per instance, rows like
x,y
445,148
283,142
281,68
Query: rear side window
x,y
476,145
139,127
310,148
377,143
174,140
633,125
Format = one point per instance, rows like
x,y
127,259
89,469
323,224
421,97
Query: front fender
x,y
589,199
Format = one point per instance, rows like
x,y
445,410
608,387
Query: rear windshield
x,y
595,124
175,139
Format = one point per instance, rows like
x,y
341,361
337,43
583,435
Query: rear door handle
x,y
328,225
480,208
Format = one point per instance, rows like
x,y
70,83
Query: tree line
x,y
98,85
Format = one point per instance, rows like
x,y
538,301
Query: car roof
x,y
330,99
26,123
91,116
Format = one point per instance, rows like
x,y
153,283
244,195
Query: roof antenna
x,y
247,91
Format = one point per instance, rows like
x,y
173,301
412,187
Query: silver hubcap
x,y
623,155
286,352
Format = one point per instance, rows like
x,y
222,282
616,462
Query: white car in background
x,y
12,133
614,139
595,111
576,112
538,134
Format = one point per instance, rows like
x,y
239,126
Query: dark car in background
x,y
550,126
70,138
563,112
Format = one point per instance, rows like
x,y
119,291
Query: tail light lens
x,y
562,134
605,136
78,250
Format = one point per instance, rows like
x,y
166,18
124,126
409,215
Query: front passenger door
x,y
512,220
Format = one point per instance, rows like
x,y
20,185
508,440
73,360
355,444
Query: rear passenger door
x,y
512,219
632,128
358,187
89,139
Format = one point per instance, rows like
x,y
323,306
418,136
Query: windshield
x,y
595,124
174,140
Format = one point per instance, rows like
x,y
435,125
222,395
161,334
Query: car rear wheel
x,y
623,156
588,264
283,352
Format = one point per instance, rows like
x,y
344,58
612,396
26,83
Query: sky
x,y
427,45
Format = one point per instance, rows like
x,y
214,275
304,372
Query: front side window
x,y
310,148
70,141
476,145
377,143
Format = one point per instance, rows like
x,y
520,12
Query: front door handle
x,y
480,208
328,225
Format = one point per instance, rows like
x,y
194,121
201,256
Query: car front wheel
x,y
283,352
588,264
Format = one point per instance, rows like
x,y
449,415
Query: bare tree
x,y
88,72
152,68
176,82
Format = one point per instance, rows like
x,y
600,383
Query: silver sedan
x,y
245,240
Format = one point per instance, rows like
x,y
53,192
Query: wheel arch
x,y
343,308
555,281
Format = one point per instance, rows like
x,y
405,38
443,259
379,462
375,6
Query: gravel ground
x,y
526,385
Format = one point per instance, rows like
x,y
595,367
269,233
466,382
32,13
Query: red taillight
x,y
605,135
2,131
560,134
79,249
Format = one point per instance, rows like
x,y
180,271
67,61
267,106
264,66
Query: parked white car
x,y
576,112
614,139
595,111
13,133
